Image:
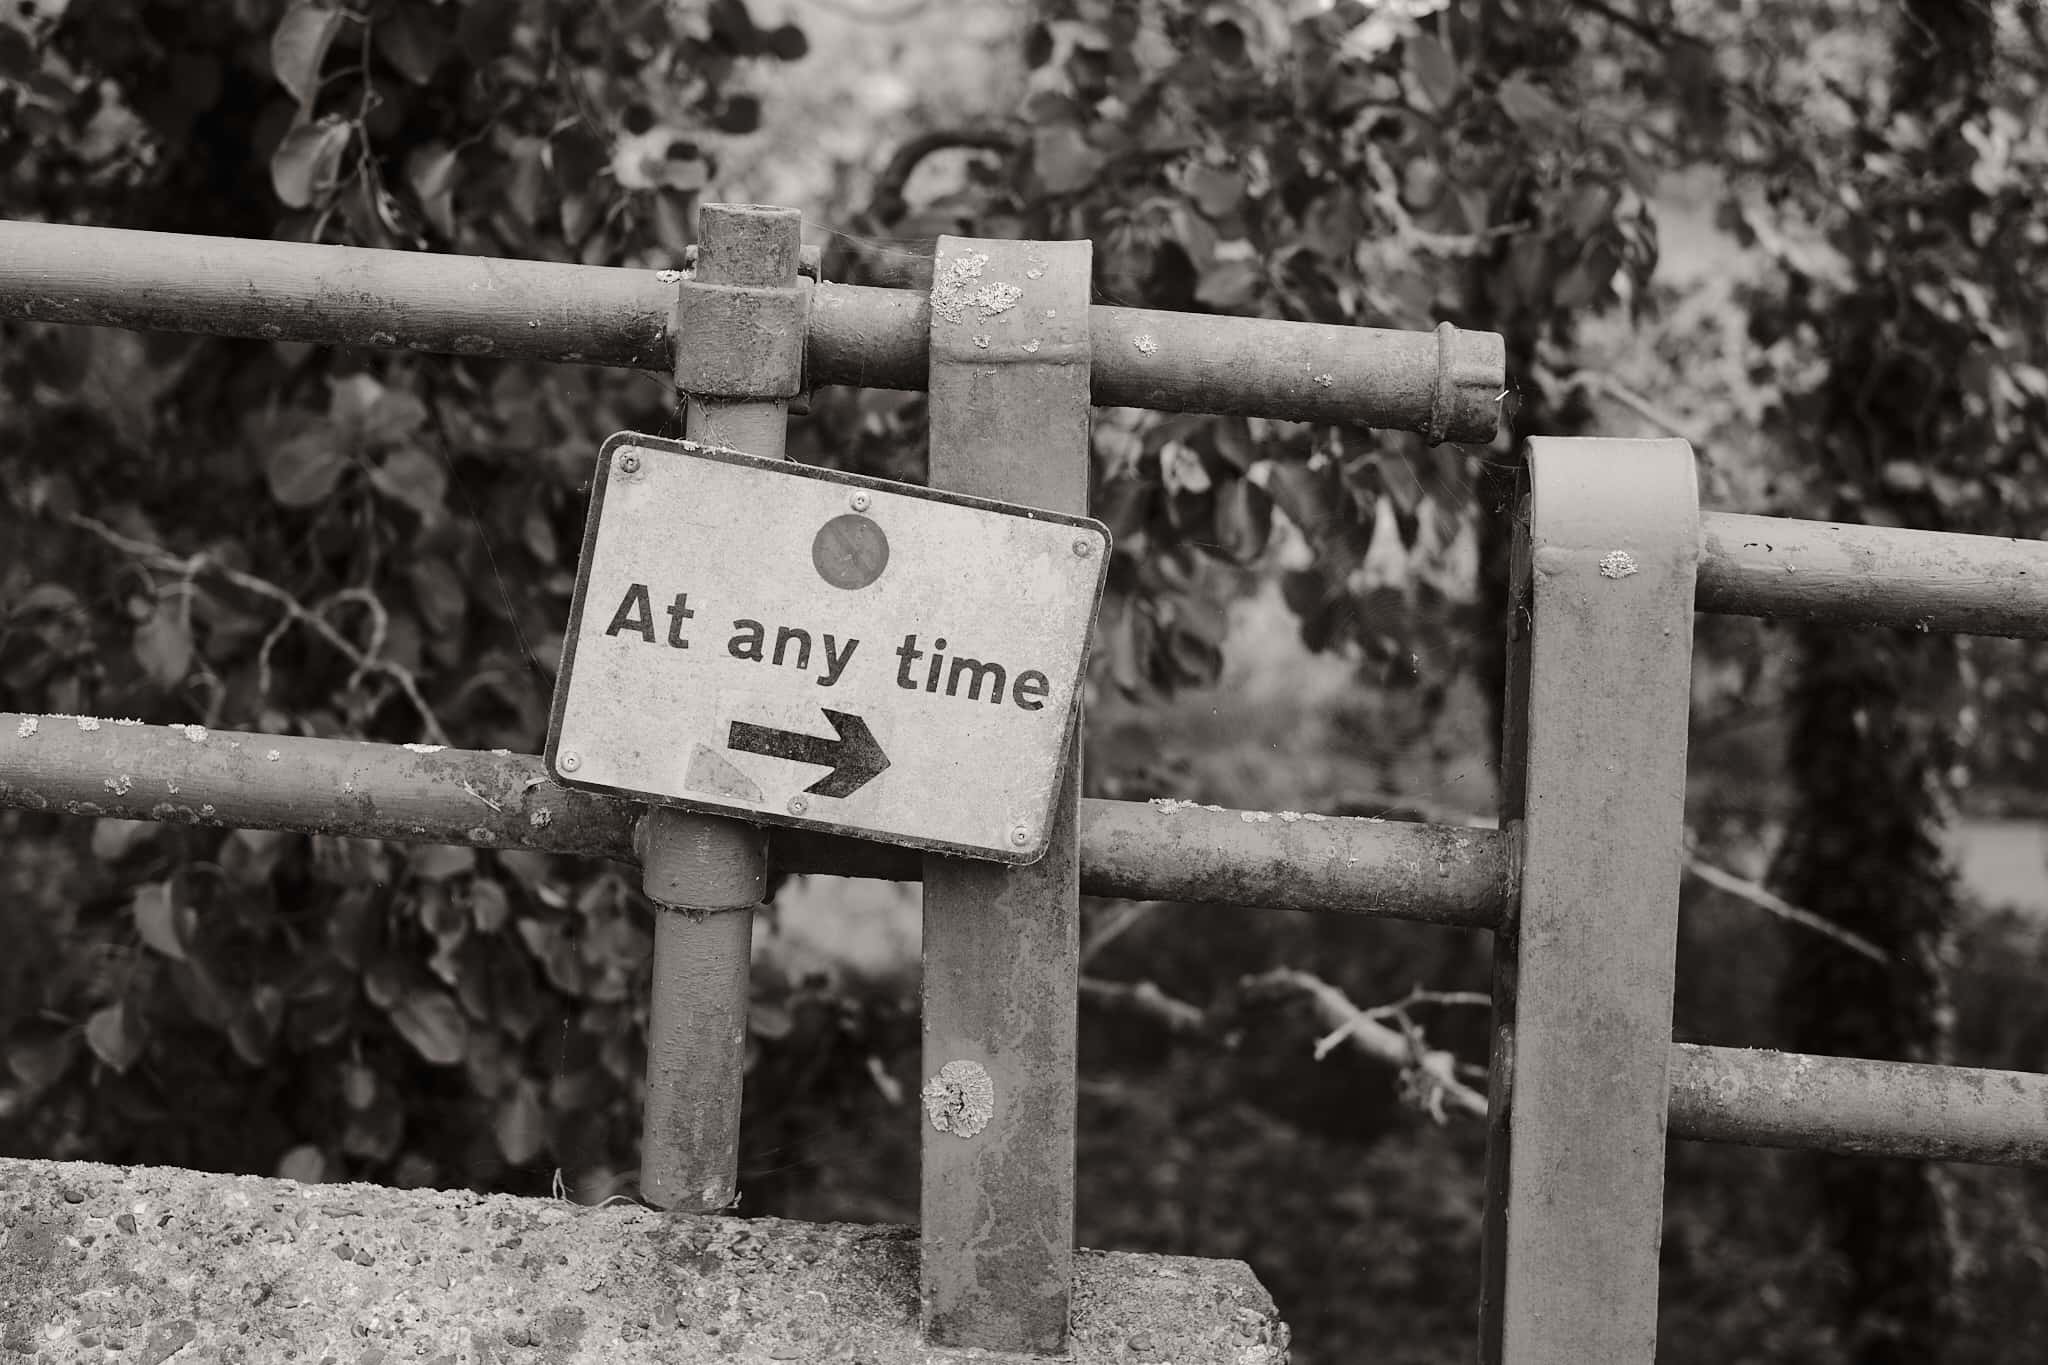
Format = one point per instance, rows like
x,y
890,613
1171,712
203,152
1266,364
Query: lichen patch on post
x,y
195,733
87,723
950,284
423,748
26,728
1617,564
996,298
1145,342
960,1099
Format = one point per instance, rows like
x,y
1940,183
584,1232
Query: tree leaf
x,y
437,862
298,47
1244,519
409,40
438,590
416,479
430,170
1531,109
304,1163
112,839
40,1062
489,907
155,912
304,469
433,1023
1228,286
520,1125
253,1032
306,167
163,646
1435,71
486,28
740,114
112,1035
787,43
1063,159
393,415
1217,192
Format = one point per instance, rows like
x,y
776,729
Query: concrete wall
x,y
144,1265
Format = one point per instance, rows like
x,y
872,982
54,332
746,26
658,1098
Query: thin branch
x,y
1743,889
1432,1075
1398,1011
1432,1079
1649,33
295,611
1448,245
886,203
1121,921
1764,899
1177,1017
1600,383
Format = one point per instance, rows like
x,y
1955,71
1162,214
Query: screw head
x,y
797,805
860,502
569,762
1020,836
629,462
1083,547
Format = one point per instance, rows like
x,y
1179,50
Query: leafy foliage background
x,y
265,536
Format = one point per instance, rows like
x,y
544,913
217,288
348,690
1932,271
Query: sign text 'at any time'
x,y
799,646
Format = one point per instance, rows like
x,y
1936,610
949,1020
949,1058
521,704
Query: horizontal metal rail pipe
x,y
1873,576
1849,1105
420,793
1447,383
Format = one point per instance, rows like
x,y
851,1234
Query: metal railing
x,y
1579,883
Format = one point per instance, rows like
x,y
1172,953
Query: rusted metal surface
x,y
890,661
189,775
1448,383
1009,420
138,1263
1176,850
1612,542
352,296
732,338
1843,1104
1164,850
1873,576
710,871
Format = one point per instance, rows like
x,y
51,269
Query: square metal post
x,y
1009,420
1600,667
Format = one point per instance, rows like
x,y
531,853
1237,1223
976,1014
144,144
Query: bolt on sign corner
x,y
799,646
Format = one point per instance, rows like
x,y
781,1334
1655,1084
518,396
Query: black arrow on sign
x,y
854,758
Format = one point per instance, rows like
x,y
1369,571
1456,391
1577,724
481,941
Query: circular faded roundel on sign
x,y
850,551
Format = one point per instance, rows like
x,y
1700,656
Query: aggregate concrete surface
x,y
146,1265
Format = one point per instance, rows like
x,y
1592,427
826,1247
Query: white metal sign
x,y
798,646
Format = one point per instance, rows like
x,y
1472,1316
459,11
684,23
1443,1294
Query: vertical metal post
x,y
1599,680
706,874
1009,420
